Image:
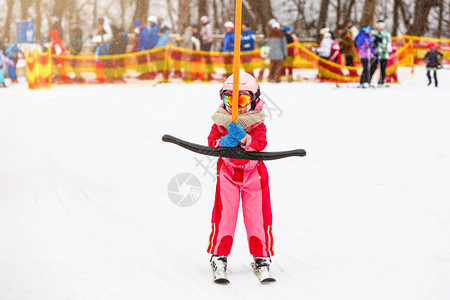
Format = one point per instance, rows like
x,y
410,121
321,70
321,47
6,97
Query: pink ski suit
x,y
244,179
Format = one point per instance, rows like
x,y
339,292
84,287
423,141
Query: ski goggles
x,y
244,98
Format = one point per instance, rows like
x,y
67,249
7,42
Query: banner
x,y
39,69
25,32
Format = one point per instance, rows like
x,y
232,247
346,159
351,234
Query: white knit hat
x,y
229,24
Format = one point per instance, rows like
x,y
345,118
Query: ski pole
x,y
236,59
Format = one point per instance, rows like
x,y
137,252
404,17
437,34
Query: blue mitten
x,y
228,141
236,131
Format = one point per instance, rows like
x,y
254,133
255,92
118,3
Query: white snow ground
x,y
85,214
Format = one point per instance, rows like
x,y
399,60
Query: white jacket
x,y
325,46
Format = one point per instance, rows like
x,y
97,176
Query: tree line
x,y
306,17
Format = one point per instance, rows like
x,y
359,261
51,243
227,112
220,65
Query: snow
x,y
85,213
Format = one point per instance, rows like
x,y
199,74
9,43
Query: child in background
x,y
433,59
4,62
58,49
241,179
13,52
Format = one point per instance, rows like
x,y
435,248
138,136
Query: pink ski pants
x,y
250,182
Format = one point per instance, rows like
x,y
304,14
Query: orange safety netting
x,y
39,69
172,63
419,46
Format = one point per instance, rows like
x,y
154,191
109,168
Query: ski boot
x,y
261,268
219,267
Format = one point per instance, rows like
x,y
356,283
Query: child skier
x,y
240,179
4,62
433,59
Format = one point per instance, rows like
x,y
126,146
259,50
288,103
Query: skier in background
x,y
351,28
59,49
324,50
247,38
4,61
228,39
383,47
148,37
13,52
247,45
433,58
228,47
55,24
241,179
278,51
137,30
206,33
347,46
75,47
366,54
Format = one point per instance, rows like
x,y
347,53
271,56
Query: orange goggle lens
x,y
243,100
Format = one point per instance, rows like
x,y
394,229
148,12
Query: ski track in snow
x,y
85,213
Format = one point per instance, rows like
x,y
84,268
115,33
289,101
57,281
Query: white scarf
x,y
222,118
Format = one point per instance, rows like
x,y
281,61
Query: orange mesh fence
x,y
171,64
419,45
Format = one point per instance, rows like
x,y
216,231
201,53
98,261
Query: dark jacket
x,y
433,58
76,41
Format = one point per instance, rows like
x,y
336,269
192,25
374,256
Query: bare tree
x,y
395,25
368,12
38,20
24,6
202,8
141,10
421,11
184,15
263,9
323,13
9,16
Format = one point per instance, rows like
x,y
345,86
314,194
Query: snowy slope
x,y
85,214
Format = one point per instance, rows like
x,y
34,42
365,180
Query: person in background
x,y
278,51
228,47
163,37
101,50
206,33
366,54
115,66
55,24
335,54
228,39
247,38
347,45
75,39
58,49
13,52
383,47
196,38
148,37
247,45
351,28
291,51
4,61
324,50
433,58
104,29
137,30
196,58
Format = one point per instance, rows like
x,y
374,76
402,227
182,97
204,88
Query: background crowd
x,y
373,47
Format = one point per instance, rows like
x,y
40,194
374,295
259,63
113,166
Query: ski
x,y
263,274
232,152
